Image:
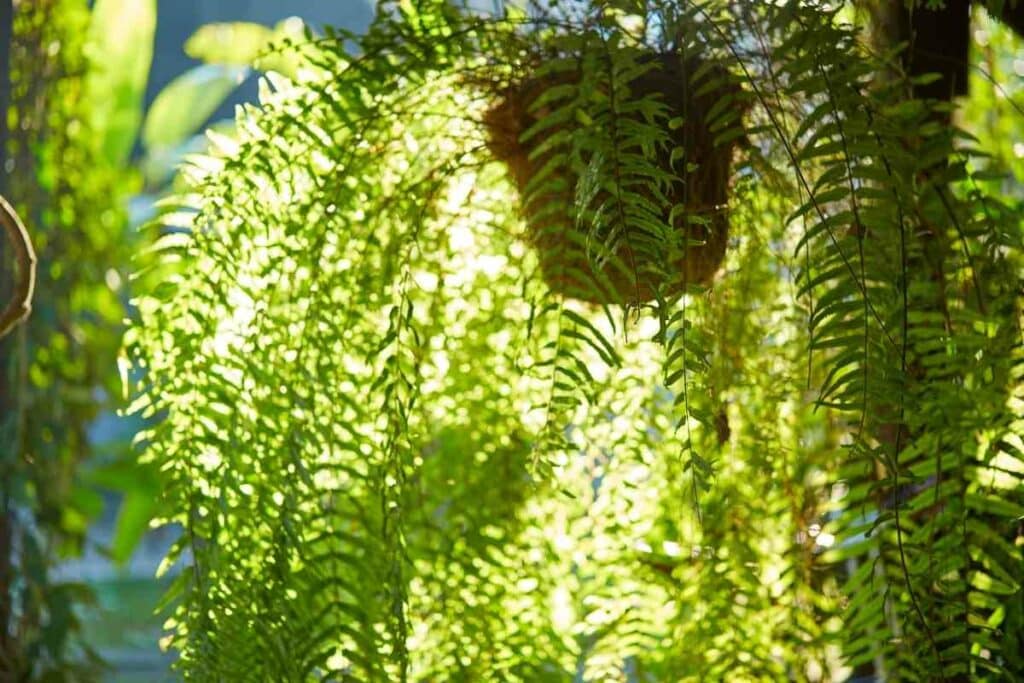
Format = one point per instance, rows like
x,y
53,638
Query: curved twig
x,y
20,304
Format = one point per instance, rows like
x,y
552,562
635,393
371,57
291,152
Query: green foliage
x,y
242,43
121,50
238,43
58,369
399,455
993,113
75,114
187,102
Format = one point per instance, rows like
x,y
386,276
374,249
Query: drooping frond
x,y
666,346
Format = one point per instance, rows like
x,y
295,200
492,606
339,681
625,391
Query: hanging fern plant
x,y
485,348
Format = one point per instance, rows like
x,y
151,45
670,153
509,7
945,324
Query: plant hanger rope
x,y
20,305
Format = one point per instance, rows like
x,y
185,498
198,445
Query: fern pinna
x,y
439,396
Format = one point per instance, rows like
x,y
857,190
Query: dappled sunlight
x,y
599,343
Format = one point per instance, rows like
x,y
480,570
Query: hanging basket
x,y
702,191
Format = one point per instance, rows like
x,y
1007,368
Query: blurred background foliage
x,y
994,110
103,105
63,177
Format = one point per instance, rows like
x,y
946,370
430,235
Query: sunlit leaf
x,y
187,102
235,44
120,46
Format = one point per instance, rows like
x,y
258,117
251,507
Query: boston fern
x,y
438,393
